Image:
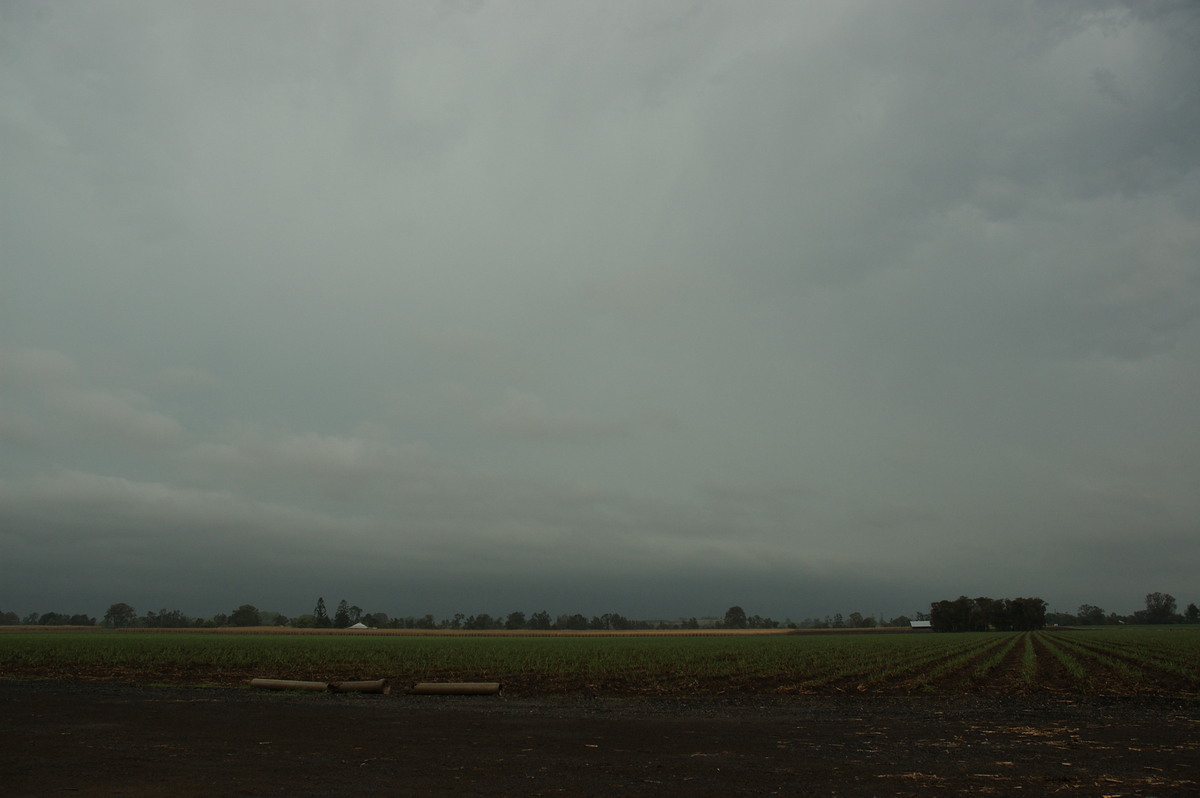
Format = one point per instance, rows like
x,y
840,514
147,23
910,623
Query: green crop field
x,y
1109,661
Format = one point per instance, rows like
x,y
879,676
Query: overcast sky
x,y
649,308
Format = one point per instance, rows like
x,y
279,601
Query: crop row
x,y
1128,662
1116,663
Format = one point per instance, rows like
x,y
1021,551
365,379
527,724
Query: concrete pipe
x,y
375,686
289,684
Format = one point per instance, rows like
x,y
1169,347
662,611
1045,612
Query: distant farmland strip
x,y
1108,662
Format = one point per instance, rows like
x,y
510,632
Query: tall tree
x,y
120,616
1160,608
341,618
735,618
246,615
320,615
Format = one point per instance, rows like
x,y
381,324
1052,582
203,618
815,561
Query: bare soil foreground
x,y
96,738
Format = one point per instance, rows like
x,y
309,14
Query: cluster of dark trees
x,y
961,614
981,614
1022,614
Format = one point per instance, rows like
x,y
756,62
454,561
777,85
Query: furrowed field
x,y
1161,661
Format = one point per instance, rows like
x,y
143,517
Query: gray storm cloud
x,y
442,307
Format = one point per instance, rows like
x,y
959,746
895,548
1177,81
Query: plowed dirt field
x,y
105,738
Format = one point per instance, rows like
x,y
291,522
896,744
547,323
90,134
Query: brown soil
x,y
99,738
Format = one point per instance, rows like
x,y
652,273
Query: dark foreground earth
x,y
61,738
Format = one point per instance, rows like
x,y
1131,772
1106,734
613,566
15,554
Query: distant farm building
x,y
921,626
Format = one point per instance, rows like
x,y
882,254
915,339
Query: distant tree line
x,y
121,615
1160,608
961,614
736,618
46,619
347,615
